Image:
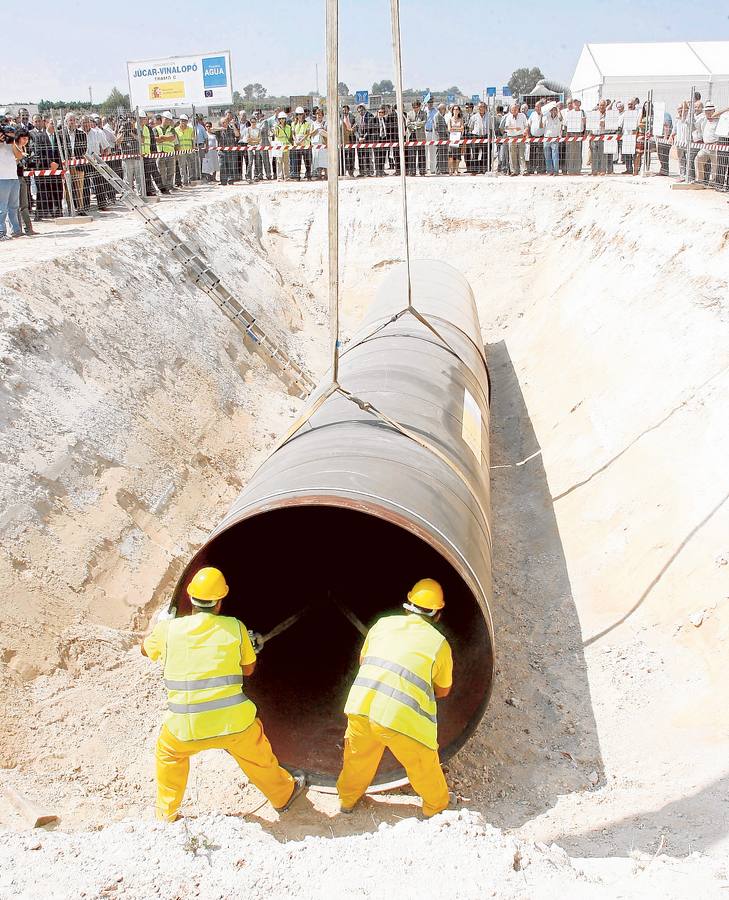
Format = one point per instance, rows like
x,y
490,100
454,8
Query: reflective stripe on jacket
x,y
394,686
203,677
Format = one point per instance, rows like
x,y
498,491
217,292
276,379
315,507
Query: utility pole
x,y
91,99
316,69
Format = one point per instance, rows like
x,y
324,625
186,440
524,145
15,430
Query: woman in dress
x,y
456,128
211,163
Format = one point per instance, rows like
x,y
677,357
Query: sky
x,y
280,44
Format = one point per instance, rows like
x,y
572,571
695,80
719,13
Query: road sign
x,y
475,98
506,91
451,98
362,97
490,91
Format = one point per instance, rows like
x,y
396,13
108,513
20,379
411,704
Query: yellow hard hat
x,y
427,594
208,586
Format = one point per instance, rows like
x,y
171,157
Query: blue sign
x,y
426,96
451,98
491,92
362,97
475,98
214,72
506,91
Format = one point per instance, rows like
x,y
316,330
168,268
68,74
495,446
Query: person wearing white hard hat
x,y
301,151
283,135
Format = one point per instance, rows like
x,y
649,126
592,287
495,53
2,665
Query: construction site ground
x,y
133,414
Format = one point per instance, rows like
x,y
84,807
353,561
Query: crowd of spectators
x,y
159,154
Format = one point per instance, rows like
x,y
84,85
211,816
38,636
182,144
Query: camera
x,y
7,132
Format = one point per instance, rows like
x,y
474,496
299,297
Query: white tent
x,y
620,71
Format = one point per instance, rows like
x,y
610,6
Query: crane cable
x,y
332,48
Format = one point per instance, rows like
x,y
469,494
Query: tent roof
x,y
540,89
701,59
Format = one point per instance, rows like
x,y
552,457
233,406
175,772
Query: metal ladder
x,y
256,340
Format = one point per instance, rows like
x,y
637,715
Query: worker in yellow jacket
x,y
405,665
205,658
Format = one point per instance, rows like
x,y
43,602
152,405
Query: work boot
x,y
299,788
348,809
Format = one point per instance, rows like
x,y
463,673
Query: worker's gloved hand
x,y
256,640
164,614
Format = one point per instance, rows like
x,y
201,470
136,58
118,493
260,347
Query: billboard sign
x,y
506,91
490,91
201,80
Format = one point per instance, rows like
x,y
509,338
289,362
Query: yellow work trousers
x,y
249,748
364,744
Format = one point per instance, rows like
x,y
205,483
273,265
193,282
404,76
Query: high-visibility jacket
x,y
301,132
146,141
203,677
283,134
165,139
185,138
394,686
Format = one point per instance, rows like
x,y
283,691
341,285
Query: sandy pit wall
x,y
604,310
131,413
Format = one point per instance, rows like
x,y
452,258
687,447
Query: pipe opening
x,y
279,562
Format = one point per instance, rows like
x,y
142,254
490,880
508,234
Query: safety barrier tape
x,y
695,145
381,145
367,145
82,161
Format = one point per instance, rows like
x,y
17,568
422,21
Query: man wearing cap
x,y
185,141
205,658
405,666
166,139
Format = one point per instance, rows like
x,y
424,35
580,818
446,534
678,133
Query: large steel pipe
x,y
350,511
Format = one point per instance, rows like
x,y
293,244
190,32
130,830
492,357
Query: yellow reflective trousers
x,y
249,748
364,744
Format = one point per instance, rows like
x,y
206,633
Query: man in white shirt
x,y
479,127
515,126
536,130
97,142
706,123
552,126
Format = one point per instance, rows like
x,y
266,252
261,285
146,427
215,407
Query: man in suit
x,y
415,125
50,187
73,146
391,128
365,131
381,134
440,128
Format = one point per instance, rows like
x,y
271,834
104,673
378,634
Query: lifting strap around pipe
x,y
332,33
